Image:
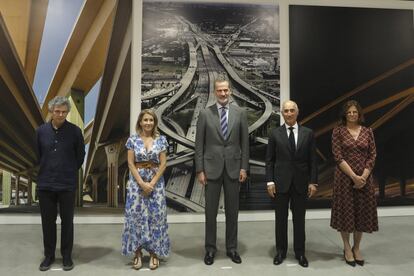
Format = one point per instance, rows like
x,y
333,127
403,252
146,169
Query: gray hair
x,y
58,100
291,102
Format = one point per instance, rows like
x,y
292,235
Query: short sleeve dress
x,y
353,209
146,217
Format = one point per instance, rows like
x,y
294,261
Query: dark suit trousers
x,y
49,202
298,206
231,204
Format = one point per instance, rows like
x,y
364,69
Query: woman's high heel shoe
x,y
137,262
351,263
358,262
154,262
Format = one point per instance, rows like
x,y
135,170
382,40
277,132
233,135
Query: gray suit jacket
x,y
213,153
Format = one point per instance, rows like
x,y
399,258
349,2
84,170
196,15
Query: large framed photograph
x,y
185,46
365,54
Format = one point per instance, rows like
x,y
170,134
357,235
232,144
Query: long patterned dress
x,y
354,209
146,216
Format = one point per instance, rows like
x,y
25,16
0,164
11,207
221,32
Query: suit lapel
x,y
300,138
216,119
232,118
285,138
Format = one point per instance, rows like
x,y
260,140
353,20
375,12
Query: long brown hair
x,y
344,111
138,127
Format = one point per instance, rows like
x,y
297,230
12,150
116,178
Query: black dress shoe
x,y
235,257
46,263
209,258
67,263
302,261
278,259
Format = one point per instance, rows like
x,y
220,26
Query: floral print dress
x,y
146,216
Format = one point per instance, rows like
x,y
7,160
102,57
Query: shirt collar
x,y
219,106
295,126
53,128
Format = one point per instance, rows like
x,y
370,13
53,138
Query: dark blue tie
x,y
223,122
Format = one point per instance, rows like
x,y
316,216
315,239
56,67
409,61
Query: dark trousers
x,y
231,205
298,207
49,202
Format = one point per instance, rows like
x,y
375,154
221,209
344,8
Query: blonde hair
x,y
138,127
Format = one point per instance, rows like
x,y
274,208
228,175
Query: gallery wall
x,y
326,50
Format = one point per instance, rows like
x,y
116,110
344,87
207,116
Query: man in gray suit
x,y
221,159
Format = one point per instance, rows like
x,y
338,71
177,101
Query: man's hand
x,y
243,175
271,190
312,189
202,178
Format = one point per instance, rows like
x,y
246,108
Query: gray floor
x,y
96,252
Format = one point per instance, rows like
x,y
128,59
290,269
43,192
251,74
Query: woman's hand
x,y
146,187
153,184
359,181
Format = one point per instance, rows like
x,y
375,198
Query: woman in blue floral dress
x,y
145,208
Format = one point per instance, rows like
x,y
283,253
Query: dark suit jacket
x,y
285,168
213,153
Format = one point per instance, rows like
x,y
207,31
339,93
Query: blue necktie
x,y
223,122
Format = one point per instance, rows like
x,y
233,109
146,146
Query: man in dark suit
x,y
291,173
221,159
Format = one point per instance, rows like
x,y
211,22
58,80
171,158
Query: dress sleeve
x,y
130,143
163,143
372,151
336,145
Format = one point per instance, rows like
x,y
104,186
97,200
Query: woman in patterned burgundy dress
x,y
354,207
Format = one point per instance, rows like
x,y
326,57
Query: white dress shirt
x,y
295,132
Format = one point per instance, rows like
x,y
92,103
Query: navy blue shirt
x,y
60,155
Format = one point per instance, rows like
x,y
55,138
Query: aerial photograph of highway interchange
x,y
185,47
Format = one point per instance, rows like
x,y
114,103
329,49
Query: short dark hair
x,y
222,77
347,105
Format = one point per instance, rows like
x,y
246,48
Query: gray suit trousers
x,y
231,204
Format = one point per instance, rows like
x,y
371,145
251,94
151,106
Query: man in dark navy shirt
x,y
61,152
